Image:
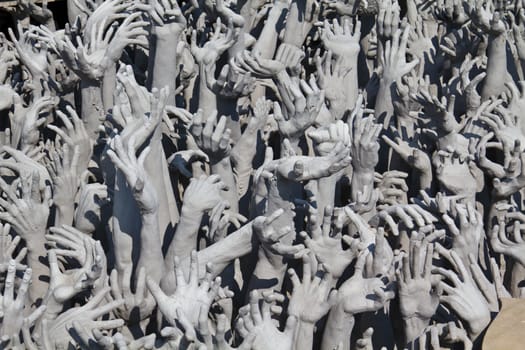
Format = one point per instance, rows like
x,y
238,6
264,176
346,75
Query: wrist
x,y
62,207
190,213
218,165
349,55
109,66
149,218
362,177
478,324
35,244
305,324
414,326
387,79
425,178
53,308
340,319
282,78
269,264
167,36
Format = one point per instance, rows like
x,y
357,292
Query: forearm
x,y
125,224
304,337
36,255
411,13
496,67
228,107
477,326
64,214
296,29
268,273
384,109
361,179
108,86
492,169
249,13
242,157
224,170
207,98
516,279
92,113
267,41
270,268
218,255
162,67
413,327
42,17
150,247
156,167
351,80
338,329
325,195
223,252
185,239
38,78
425,180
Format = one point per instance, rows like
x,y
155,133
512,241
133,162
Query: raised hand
x,y
468,235
314,289
75,135
301,168
257,321
62,167
220,341
409,215
91,198
212,136
505,127
86,317
325,138
215,47
90,59
410,153
302,103
232,83
287,57
359,294
25,122
501,243
342,38
8,246
326,244
462,294
331,77
392,187
167,18
88,253
133,169
138,305
388,19
363,133
190,295
271,239
418,298
33,56
208,188
393,59
26,212
12,307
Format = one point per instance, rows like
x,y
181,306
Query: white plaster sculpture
x,y
268,175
